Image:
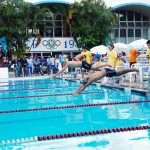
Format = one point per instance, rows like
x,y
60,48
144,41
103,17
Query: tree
x,y
17,16
92,21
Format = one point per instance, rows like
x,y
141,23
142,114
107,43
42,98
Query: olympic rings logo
x,y
51,44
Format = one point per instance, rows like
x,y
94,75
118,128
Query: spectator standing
x,y
61,59
30,65
17,66
111,55
49,62
88,59
36,63
133,55
148,51
24,64
53,63
42,65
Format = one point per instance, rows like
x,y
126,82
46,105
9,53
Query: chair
x,y
145,75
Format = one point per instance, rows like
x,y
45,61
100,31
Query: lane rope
x,y
25,84
47,95
70,106
75,134
35,89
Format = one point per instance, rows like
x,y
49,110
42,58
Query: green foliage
x,y
92,21
16,17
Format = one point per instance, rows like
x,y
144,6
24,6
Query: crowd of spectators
x,y
28,65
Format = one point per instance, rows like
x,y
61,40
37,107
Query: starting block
x,y
115,81
73,75
148,87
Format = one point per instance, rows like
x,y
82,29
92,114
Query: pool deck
x,y
134,86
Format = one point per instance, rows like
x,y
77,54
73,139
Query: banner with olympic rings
x,y
52,45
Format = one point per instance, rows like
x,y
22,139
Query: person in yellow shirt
x,y
148,51
98,59
88,59
119,61
111,55
133,56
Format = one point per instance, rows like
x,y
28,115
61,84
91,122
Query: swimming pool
x,y
32,111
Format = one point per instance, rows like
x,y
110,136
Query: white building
x,y
134,23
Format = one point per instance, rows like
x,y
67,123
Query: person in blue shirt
x,y
36,63
49,63
61,59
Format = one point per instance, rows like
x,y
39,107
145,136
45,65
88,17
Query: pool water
x,y
39,93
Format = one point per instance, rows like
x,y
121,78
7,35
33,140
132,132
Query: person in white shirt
x,y
49,62
30,65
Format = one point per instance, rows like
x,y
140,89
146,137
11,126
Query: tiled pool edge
x,y
25,78
142,92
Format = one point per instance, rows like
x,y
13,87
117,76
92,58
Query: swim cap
x,y
97,56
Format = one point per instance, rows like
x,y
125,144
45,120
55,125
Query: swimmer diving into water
x,y
108,72
79,61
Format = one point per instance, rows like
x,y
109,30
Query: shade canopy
x,y
99,49
138,44
119,47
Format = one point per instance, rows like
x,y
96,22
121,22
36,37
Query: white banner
x,y
52,45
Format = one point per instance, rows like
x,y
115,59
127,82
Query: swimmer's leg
x,y
69,63
124,71
62,70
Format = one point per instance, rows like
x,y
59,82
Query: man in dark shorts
x,y
86,66
108,72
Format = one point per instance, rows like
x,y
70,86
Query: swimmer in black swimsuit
x,y
108,72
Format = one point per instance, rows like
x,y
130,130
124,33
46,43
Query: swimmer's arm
x,y
81,88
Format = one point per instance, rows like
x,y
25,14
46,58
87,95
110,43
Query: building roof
x,y
139,6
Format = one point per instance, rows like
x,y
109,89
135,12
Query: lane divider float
x,y
26,84
47,95
75,134
24,89
71,106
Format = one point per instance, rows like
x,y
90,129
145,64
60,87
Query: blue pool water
x,y
39,93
